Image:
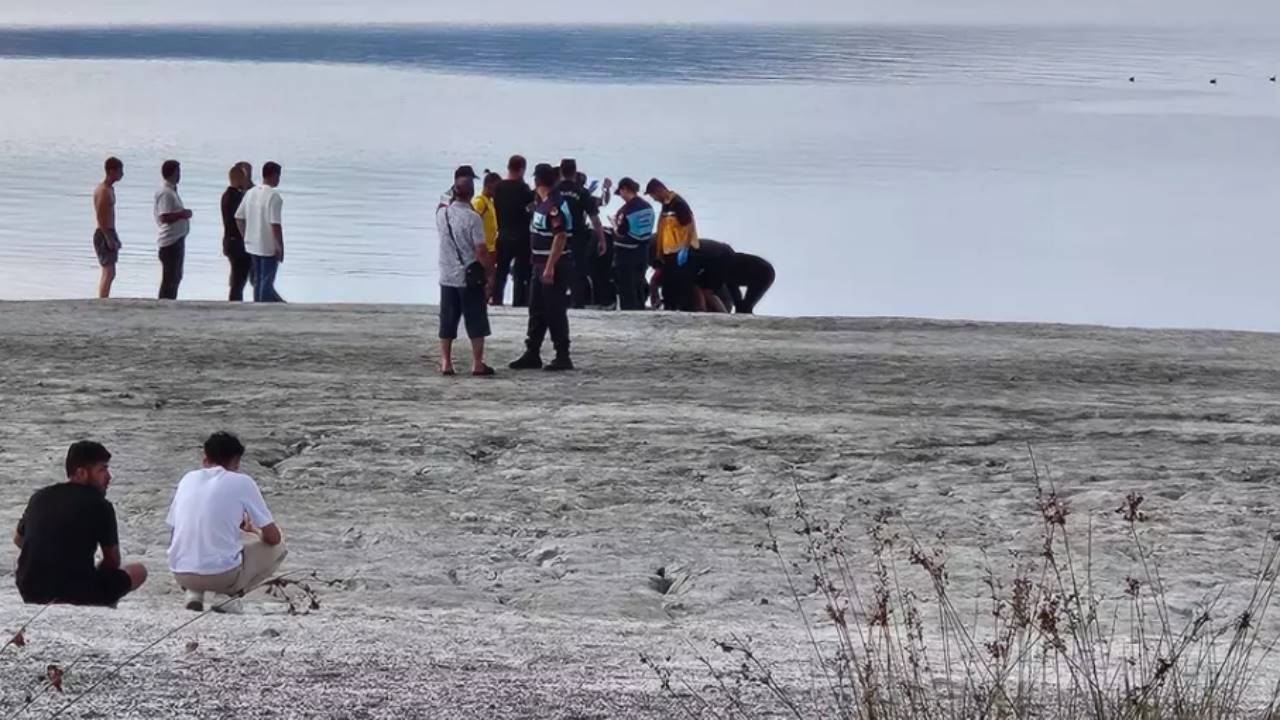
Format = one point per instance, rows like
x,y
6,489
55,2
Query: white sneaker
x,y
229,606
195,601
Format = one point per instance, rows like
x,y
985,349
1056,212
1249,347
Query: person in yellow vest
x,y
675,241
484,207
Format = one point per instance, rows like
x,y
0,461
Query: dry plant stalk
x,y
1050,644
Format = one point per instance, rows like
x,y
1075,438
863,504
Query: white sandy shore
x,y
494,539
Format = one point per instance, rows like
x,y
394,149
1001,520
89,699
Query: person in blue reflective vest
x,y
550,229
634,225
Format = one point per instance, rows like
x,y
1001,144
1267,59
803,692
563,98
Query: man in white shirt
x,y
225,540
259,219
174,222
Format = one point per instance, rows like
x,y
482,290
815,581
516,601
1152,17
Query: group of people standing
x,y
253,232
223,538
550,242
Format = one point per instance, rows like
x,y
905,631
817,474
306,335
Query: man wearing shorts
x,y
62,528
106,243
462,242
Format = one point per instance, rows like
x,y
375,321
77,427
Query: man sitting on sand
x,y
224,538
62,528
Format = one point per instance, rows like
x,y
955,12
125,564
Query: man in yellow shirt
x,y
483,204
677,238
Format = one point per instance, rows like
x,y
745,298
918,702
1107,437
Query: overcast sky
x,y
1182,12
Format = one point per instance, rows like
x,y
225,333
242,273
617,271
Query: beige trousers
x,y
258,563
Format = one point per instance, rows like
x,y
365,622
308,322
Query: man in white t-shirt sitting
x,y
259,219
224,538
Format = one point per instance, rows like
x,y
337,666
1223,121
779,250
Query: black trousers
x,y
171,261
581,246
548,309
603,291
753,272
629,267
241,263
513,260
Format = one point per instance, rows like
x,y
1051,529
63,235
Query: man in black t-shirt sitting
x,y
62,528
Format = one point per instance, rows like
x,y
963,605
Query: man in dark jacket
x,y
232,239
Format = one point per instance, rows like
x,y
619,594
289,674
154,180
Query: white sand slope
x,y
494,540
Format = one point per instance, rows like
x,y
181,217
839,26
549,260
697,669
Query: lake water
x,y
1009,173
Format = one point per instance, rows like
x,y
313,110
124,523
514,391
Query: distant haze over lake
x,y
996,172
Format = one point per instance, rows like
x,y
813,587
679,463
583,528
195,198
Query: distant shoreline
x,y
764,320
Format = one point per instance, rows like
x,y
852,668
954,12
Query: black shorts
x,y
106,245
458,303
104,588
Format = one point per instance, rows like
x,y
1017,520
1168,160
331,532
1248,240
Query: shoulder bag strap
x,y
452,239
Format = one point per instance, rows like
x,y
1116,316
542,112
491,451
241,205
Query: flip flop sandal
x,y
486,371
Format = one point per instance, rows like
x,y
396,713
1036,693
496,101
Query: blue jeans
x,y
264,273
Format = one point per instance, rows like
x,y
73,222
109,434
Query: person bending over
x,y
752,272
711,265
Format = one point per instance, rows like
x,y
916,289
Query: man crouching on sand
x,y
224,538
62,528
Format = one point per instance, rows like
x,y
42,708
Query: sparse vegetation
x,y
295,590
887,637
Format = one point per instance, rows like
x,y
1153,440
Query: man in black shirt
x,y
582,205
232,239
513,201
61,529
710,266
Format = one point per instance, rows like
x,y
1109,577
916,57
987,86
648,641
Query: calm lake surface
x,y
1007,173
